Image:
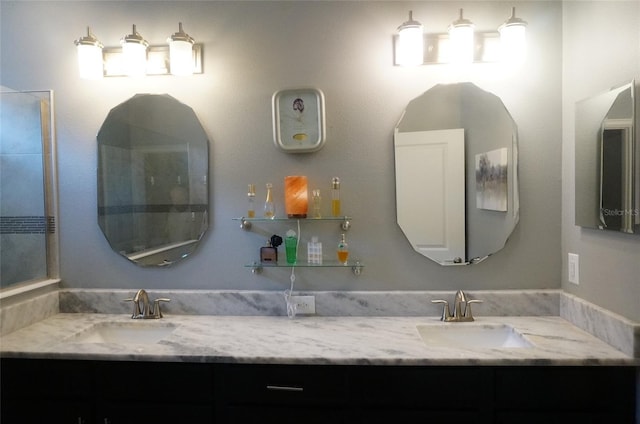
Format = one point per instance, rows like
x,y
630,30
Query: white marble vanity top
x,y
309,340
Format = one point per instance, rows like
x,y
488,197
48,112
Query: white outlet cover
x,y
574,268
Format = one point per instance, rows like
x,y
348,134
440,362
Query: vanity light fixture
x,y
134,50
90,56
513,41
135,57
410,47
181,52
461,41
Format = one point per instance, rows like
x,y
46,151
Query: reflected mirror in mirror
x,y
152,179
456,157
608,161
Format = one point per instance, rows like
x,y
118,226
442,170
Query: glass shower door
x,y
27,205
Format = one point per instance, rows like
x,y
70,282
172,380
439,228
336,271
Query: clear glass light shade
x,y
134,53
461,45
90,61
461,41
513,39
135,59
513,43
410,46
181,52
181,57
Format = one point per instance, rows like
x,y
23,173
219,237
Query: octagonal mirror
x,y
152,180
456,157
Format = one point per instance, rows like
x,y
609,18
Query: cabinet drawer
x,y
155,382
436,388
282,415
565,388
281,384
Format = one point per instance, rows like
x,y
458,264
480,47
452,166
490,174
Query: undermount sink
x,y
133,333
472,335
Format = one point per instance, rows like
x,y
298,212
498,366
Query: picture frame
x,y
299,120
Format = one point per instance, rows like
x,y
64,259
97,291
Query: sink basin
x,y
131,333
470,335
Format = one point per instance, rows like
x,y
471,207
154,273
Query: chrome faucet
x,y
461,308
142,308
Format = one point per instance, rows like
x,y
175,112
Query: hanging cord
x,y
291,307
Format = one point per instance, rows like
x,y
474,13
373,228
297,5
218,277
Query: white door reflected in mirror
x,y
430,192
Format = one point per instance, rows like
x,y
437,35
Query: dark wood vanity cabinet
x,y
105,392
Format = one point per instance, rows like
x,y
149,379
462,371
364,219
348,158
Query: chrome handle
x,y
467,311
446,312
157,313
285,388
136,307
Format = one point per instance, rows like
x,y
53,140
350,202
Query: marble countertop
x,y
307,340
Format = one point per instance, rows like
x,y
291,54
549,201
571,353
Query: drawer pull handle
x,y
285,388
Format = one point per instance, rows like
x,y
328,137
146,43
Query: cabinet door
x,y
159,393
42,391
562,417
404,415
282,415
566,391
36,411
155,413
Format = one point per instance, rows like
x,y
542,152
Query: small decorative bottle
x,y
251,197
335,196
269,208
317,201
343,250
314,251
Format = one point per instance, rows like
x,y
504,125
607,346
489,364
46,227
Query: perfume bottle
x,y
317,201
269,254
335,196
314,251
251,198
343,250
269,208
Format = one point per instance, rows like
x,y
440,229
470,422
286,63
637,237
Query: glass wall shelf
x,y
246,223
344,221
356,266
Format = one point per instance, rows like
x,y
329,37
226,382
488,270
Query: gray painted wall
x,y
601,42
252,49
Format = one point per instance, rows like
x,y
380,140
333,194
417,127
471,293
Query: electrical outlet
x,y
574,268
304,305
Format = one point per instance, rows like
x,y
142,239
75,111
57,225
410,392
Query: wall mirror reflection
x,y
456,158
152,180
608,161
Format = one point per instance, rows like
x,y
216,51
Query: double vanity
x,y
380,366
